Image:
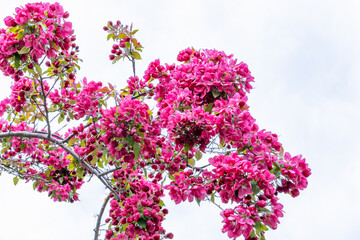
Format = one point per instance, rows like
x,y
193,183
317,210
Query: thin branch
x,y
98,223
109,171
38,106
45,106
133,65
214,203
142,94
13,171
46,136
72,135
52,87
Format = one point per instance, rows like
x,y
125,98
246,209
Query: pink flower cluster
x,y
88,99
21,92
206,97
186,187
37,29
128,126
128,46
201,108
140,212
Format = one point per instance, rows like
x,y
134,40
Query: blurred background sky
x,y
305,57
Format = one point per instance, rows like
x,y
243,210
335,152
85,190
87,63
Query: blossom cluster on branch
x,y
200,142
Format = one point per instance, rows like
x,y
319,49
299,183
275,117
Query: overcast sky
x,y
305,57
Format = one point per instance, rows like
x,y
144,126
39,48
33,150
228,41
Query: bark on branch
x,y
60,143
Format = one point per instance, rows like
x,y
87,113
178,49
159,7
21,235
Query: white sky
x,y
305,56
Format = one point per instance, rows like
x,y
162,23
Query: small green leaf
x,y
71,166
136,55
198,201
191,162
100,164
80,173
142,222
94,160
109,36
215,92
36,184
198,155
22,146
186,147
122,35
17,61
137,149
161,203
16,180
212,197
20,35
209,107
38,69
61,117
24,50
255,188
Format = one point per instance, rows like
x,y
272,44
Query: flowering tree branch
x,y
98,222
137,154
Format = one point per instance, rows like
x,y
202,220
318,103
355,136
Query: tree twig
x,y
98,222
46,136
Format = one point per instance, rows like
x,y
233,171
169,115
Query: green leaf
x,y
198,155
94,160
71,115
136,55
20,35
215,92
22,146
80,173
161,203
17,61
71,166
186,147
38,69
209,107
137,149
109,36
16,180
52,109
191,162
264,210
61,117
198,201
100,164
122,35
24,50
255,188
212,197
36,184
142,222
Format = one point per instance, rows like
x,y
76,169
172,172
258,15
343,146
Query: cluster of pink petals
x,y
201,103
38,29
186,187
88,99
140,212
